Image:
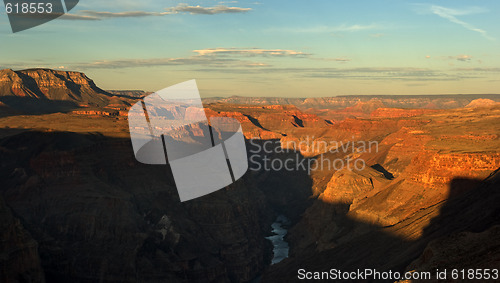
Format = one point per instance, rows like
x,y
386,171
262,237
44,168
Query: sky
x,y
270,48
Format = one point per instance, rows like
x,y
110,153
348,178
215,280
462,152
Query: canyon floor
x,y
76,206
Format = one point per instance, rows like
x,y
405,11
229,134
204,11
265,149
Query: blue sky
x,y
271,48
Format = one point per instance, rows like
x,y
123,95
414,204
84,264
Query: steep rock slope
x,y
98,215
19,258
42,90
449,238
413,177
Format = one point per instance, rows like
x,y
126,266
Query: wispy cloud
x,y
486,69
229,58
257,65
210,57
221,9
180,8
130,14
250,52
338,59
79,17
462,58
368,73
452,14
130,63
351,28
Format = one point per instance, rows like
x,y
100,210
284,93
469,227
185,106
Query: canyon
x,y
75,205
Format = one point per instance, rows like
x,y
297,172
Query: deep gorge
x,y
96,214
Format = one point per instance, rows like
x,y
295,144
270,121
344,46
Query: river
x,y
280,246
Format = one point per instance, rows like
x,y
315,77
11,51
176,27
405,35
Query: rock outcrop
x,y
98,215
481,102
19,258
44,90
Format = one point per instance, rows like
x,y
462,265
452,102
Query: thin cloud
x,y
462,58
259,52
251,52
368,73
492,70
221,9
79,17
227,58
129,63
90,15
257,65
130,14
451,15
338,59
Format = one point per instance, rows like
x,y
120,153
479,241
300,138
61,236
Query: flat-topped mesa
x,y
52,85
55,75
